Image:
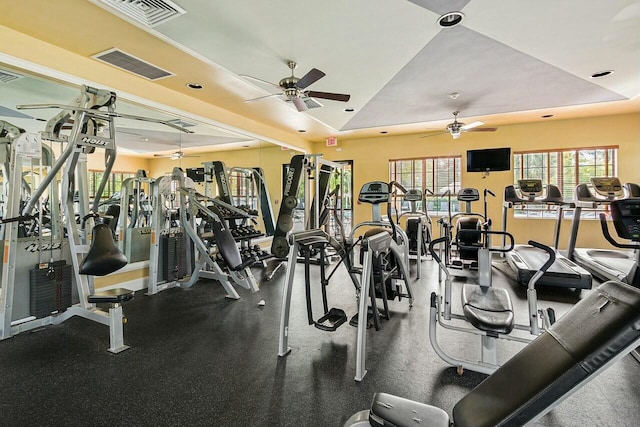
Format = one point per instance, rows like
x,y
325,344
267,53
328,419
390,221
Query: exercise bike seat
x,y
388,410
487,308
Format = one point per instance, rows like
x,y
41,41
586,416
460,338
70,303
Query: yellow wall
x,y
371,157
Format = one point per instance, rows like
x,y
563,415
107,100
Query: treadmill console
x,y
374,192
413,195
469,195
609,187
626,218
530,188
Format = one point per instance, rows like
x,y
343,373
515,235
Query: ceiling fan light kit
x,y
456,128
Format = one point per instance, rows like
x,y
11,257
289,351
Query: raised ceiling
x,y
508,61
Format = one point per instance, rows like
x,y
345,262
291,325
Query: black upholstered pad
x,y
488,308
596,329
388,410
116,295
104,257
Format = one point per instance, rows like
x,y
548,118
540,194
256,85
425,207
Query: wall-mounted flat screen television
x,y
489,160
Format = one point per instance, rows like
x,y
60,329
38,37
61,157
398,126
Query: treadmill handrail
x,y
605,232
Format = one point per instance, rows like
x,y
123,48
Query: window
x,y
243,191
565,169
437,174
113,184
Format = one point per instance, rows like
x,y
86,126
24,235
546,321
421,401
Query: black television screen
x,y
489,160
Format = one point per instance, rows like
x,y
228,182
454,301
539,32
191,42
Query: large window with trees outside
x,y
437,174
113,186
565,168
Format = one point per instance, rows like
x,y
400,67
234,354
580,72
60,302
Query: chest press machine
x,y
92,113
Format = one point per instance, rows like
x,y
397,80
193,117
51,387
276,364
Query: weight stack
x,y
50,289
174,256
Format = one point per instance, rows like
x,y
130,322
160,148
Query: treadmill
x,y
526,260
605,264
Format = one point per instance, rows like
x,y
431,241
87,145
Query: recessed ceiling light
x,y
383,132
349,110
301,130
194,86
450,19
547,116
601,74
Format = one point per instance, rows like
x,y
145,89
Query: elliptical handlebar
x,y
607,235
432,245
487,191
549,250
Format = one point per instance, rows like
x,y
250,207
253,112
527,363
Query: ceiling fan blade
x,y
472,125
328,95
261,97
432,134
299,103
481,130
259,80
311,77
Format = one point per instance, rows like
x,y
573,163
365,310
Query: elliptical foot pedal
x,y
332,320
370,323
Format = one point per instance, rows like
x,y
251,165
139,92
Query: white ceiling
x,y
400,67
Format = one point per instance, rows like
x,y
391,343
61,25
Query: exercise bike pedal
x,y
370,322
332,320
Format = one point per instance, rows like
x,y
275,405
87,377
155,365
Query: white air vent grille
x,y
147,12
6,77
130,63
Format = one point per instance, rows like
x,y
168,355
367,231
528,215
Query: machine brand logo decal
x,y
94,141
223,183
34,247
287,187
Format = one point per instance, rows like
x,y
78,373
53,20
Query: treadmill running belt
x,y
526,260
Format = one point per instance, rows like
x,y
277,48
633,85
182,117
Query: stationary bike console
x,y
413,195
374,192
469,195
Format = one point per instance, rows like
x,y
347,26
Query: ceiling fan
x,y
176,155
456,128
294,88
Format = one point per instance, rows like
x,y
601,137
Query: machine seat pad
x,y
111,296
488,308
388,410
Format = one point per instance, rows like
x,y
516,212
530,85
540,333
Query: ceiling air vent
x,y
130,63
6,77
147,12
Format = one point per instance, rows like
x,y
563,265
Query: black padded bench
x,y
111,296
595,333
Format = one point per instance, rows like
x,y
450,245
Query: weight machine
x,y
92,115
186,254
134,234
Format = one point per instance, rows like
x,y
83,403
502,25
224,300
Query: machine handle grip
x,y
549,250
397,184
605,232
428,192
487,191
432,245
